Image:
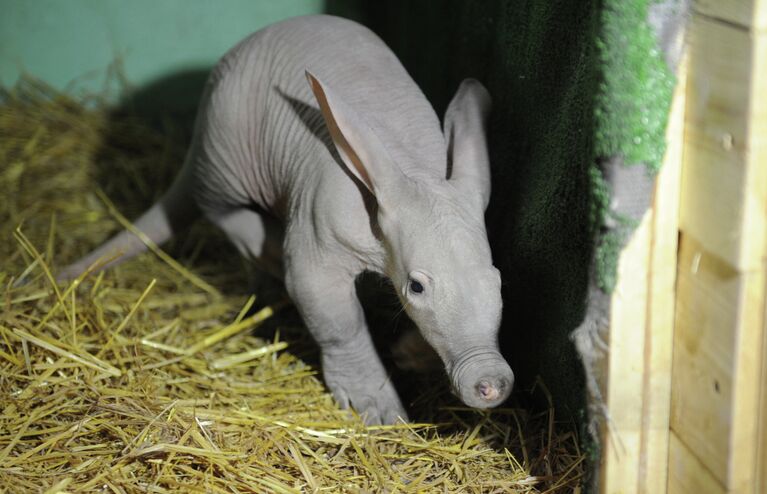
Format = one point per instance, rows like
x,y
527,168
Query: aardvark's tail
x,y
171,214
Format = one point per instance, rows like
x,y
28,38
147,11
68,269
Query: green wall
x,y
76,40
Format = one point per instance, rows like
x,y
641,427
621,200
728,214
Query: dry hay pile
x,y
152,377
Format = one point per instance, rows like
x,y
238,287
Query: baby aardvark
x,y
355,166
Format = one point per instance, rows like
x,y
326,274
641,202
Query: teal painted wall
x,y
62,42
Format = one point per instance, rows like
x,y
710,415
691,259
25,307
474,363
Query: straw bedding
x,y
162,375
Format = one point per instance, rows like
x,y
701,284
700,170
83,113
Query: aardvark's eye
x,y
416,287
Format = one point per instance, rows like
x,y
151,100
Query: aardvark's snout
x,y
481,377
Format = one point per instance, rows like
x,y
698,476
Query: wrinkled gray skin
x,y
355,166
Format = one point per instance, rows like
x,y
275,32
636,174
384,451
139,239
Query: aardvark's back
x,y
263,134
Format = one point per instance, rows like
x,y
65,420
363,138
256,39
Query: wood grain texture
x,y
744,441
745,13
621,451
719,377
635,448
721,202
708,291
759,150
717,369
686,474
659,330
761,457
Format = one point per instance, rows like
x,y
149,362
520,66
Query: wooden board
x,y
635,448
745,13
721,202
686,474
718,373
719,376
759,150
659,330
622,437
713,360
761,458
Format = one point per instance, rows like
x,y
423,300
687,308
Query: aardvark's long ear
x,y
359,147
466,134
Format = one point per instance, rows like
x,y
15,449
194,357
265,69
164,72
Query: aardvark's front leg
x,y
353,372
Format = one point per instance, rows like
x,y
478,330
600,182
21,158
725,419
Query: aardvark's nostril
x,y
487,391
481,378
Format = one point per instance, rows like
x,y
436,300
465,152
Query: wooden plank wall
x,y
638,368
718,437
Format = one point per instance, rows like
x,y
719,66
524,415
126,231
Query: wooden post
x,y
638,383
719,403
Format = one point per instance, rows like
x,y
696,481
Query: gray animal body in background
x,y
357,170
